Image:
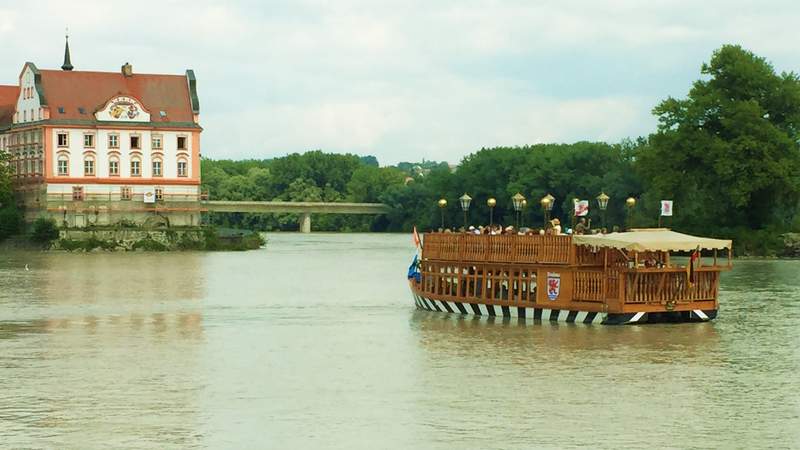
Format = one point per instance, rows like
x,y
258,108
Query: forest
x,y
727,155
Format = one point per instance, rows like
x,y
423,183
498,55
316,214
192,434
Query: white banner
x,y
582,208
150,195
666,207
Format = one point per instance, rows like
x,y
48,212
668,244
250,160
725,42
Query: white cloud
x,y
406,79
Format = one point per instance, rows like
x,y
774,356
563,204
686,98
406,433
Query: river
x,y
313,342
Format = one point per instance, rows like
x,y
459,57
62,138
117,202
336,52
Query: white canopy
x,y
651,239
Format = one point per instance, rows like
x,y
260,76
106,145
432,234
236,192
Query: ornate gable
x,y
123,108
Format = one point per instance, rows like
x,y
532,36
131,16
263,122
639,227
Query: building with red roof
x,y
96,148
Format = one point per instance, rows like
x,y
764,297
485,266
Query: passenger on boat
x,y
556,226
580,227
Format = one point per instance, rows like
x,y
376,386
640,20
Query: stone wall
x,y
791,245
121,239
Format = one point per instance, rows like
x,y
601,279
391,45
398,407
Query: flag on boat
x,y
666,207
413,270
691,267
415,238
581,208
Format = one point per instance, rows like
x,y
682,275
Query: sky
x,y
405,80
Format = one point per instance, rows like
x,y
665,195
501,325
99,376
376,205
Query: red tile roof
x,y
8,102
71,90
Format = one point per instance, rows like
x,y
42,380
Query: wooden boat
x,y
617,278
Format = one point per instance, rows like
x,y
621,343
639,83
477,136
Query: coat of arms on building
x,y
123,108
553,285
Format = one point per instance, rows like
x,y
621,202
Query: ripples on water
x,y
313,342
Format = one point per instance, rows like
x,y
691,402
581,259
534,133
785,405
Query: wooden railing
x,y
500,248
590,286
659,286
487,283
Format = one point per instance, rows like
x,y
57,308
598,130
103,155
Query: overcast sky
x,y
405,80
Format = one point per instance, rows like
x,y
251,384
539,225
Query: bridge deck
x,y
296,207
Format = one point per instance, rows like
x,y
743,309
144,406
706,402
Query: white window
x,y
88,141
182,172
113,167
156,142
63,140
159,194
88,167
156,167
63,166
113,141
125,193
136,168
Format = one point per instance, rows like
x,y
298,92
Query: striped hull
x,y
555,315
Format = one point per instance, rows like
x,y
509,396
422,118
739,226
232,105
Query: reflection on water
x,y
314,342
510,338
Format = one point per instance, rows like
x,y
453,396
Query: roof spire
x,y
67,63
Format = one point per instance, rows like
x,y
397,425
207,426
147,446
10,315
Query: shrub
x,y
150,245
44,231
10,222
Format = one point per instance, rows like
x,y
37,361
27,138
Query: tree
x,y
10,217
368,182
728,154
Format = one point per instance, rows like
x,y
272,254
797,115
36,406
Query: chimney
x,y
127,70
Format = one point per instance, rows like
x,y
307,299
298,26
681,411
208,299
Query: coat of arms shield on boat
x,y
553,285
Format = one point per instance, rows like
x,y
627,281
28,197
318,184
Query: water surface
x,y
313,342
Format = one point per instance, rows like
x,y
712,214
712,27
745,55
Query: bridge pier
x,y
305,223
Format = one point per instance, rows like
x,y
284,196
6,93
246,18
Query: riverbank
x,y
121,239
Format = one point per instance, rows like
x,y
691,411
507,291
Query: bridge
x,y
305,209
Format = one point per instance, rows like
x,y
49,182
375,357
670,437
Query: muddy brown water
x,y
313,342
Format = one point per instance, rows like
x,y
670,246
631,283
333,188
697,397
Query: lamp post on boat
x,y
630,203
442,206
547,205
517,200
491,203
465,201
602,203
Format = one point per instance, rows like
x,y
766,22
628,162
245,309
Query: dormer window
x,y
81,110
163,114
61,110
